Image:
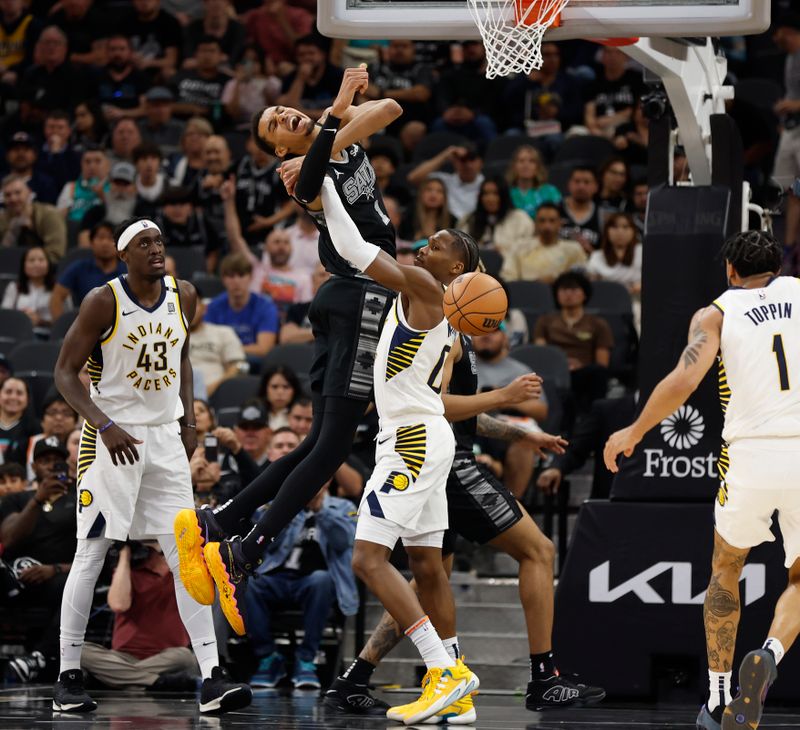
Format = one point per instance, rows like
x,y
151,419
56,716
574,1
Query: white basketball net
x,y
512,32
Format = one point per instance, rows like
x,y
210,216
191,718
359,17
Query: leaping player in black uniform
x,y
346,316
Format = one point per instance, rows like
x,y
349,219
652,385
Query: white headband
x,y
132,230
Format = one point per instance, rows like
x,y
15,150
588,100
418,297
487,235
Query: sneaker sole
x,y
193,571
306,685
470,685
464,718
264,683
233,699
226,590
755,678
76,708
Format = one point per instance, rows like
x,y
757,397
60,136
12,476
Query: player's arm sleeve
x,y
312,172
343,231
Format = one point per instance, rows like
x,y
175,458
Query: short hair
x,y
13,177
470,253
303,401
13,470
200,124
547,205
379,150
235,264
261,143
93,147
97,227
753,252
207,39
58,114
284,429
584,168
572,280
312,39
147,149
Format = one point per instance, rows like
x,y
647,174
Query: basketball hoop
x,y
512,32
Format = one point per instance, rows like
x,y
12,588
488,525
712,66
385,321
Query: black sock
x,y
542,665
359,672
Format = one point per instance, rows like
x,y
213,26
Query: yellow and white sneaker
x,y
444,687
461,712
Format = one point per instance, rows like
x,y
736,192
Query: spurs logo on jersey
x,y
760,357
361,183
135,367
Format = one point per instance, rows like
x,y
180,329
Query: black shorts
x,y
346,317
479,506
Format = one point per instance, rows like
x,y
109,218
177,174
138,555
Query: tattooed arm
x,y
673,391
495,428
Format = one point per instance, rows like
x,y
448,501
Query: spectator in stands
x,y
198,90
638,210
276,26
395,213
85,26
90,188
215,23
53,82
59,420
407,80
27,222
612,96
119,203
250,89
12,480
125,138
214,349
90,127
19,30
261,198
526,98
496,369
17,423
527,177
580,220
620,256
120,85
31,292
5,372
37,530
155,36
496,223
57,157
314,83
297,328
191,160
632,138
308,566
462,185
431,212
254,433
254,317
21,157
157,125
301,416
304,236
183,225
384,161
585,339
73,445
217,162
547,255
279,388
80,277
466,98
787,158
613,197
150,180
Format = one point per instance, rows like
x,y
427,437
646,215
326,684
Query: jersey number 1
x,y
780,356
437,370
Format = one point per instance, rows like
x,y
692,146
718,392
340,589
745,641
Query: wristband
x,y
105,427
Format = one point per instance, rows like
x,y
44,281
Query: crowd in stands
x,y
110,109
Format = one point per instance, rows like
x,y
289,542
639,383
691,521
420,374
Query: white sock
x,y
719,689
76,603
429,644
774,645
196,618
451,645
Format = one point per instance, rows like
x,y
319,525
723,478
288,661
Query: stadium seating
x,y
15,326
227,399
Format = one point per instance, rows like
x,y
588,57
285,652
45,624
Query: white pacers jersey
x,y
760,361
408,370
135,367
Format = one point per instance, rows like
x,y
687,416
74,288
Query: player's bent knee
x,y
366,562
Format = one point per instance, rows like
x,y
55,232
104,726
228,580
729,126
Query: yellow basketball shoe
x,y
230,570
193,529
461,712
445,686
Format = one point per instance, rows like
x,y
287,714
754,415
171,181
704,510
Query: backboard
x,y
451,20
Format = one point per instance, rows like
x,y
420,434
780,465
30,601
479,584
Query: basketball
x,y
475,304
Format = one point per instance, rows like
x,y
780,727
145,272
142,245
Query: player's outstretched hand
x,y
621,442
542,442
523,388
355,80
289,172
121,445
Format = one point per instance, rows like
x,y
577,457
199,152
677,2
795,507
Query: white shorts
x,y
385,532
763,476
407,489
136,500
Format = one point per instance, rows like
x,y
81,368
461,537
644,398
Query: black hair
x,y
548,205
147,149
13,470
479,220
288,374
572,280
49,277
302,400
206,39
99,226
58,114
261,143
379,150
313,39
584,168
753,252
470,253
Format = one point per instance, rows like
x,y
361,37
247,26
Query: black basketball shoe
x,y
757,672
561,690
220,694
347,697
69,694
709,719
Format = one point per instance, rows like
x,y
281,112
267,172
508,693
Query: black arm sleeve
x,y
312,173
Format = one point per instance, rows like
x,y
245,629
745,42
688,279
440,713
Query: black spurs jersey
x,y
464,381
355,182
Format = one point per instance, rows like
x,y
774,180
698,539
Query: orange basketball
x,y
475,304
